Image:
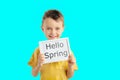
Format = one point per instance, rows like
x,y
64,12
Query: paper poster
x,y
55,50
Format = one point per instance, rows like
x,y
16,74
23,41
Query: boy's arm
x,y
71,63
35,70
70,71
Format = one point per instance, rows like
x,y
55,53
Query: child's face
x,y
52,29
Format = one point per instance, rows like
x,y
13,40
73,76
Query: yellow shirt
x,y
51,71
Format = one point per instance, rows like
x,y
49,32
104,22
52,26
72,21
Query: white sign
x,y
55,50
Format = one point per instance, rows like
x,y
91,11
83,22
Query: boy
x,y
52,26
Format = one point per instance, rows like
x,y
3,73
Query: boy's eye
x,y
57,28
48,28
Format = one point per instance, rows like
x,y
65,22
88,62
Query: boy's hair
x,y
54,14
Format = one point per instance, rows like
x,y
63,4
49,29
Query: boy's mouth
x,y
52,36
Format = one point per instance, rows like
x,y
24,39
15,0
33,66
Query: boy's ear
x,y
42,29
62,29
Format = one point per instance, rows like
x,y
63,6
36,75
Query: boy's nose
x,y
53,31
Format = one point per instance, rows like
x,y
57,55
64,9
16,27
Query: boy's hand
x,y
41,59
71,60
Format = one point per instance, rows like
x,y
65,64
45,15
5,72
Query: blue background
x,y
93,27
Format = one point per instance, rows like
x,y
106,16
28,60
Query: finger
x,y
70,57
40,54
42,59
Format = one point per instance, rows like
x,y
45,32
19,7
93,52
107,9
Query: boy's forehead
x,y
50,21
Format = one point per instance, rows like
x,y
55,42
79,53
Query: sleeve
x,y
34,59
